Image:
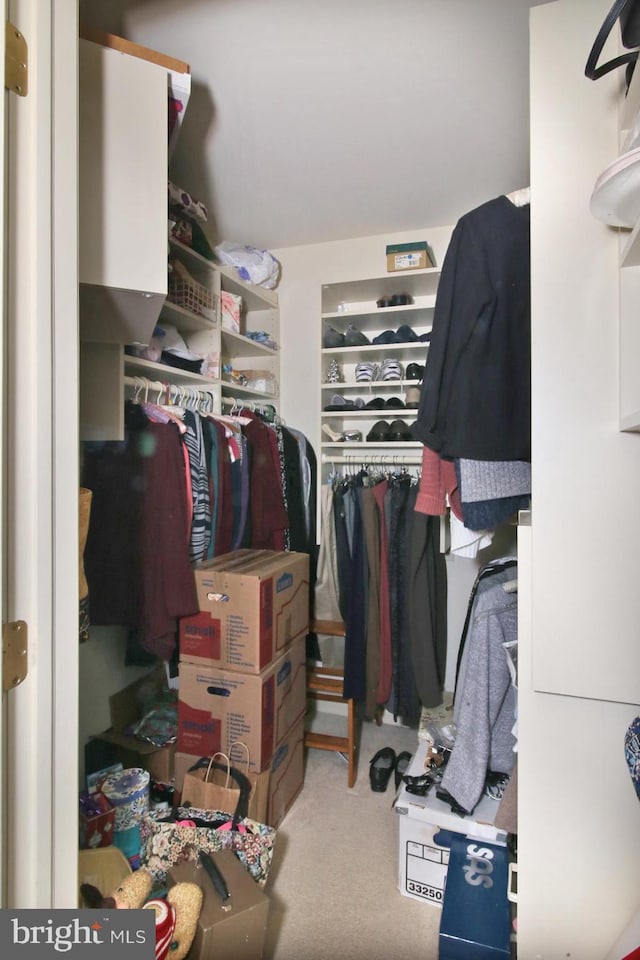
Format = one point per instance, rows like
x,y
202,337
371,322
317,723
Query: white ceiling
x,y
314,120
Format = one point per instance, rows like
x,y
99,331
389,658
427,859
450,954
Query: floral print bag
x,y
165,842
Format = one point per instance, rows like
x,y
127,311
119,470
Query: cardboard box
x,y
476,917
409,256
114,745
216,707
237,933
259,799
252,604
425,826
287,774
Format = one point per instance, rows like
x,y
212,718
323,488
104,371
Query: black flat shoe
x,y
402,762
379,432
399,431
381,767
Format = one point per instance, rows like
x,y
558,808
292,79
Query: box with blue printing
x,y
425,825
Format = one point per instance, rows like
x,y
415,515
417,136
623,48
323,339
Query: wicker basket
x,y
192,296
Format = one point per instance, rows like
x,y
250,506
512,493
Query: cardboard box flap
x,y
230,561
256,563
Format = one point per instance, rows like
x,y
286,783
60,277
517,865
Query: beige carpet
x,y
333,883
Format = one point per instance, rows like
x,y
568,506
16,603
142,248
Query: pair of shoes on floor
x,y
383,432
384,763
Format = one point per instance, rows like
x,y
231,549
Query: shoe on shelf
x,y
415,371
379,432
399,431
377,403
387,336
332,338
355,338
390,369
332,434
352,436
382,765
405,334
401,299
402,762
412,398
365,371
394,403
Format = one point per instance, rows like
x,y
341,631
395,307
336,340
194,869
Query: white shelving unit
x,y
354,302
260,313
629,289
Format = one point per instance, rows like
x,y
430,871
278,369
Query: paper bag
x,y
259,796
216,786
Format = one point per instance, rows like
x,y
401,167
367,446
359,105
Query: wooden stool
x,y
326,683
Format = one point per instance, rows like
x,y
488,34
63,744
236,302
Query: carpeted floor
x,y
333,883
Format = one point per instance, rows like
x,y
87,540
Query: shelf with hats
x,y
375,336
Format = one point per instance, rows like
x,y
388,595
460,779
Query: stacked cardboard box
x,y
242,670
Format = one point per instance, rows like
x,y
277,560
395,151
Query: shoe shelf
x,y
351,308
359,296
399,351
361,413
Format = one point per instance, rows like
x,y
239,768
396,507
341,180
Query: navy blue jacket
x,y
476,393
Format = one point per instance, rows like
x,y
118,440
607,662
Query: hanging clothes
x,y
184,486
137,551
485,698
475,399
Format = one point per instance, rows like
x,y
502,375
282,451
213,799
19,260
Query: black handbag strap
x,y
242,782
591,70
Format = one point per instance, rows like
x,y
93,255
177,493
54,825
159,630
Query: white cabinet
x,y
616,200
123,193
354,303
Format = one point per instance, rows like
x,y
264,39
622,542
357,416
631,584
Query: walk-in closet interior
x,y
357,314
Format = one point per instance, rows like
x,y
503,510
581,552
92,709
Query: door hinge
x,y
15,649
16,61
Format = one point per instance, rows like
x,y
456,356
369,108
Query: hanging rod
x,y
379,459
144,383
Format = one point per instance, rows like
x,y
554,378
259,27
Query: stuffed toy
x,y
176,916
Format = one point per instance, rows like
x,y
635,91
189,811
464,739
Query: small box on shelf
x,y
416,255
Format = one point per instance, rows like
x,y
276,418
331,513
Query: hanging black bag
x,y
628,12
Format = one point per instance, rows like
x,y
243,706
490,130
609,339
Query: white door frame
x,y
41,535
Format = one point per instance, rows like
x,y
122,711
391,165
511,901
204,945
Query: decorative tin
x,y
128,792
